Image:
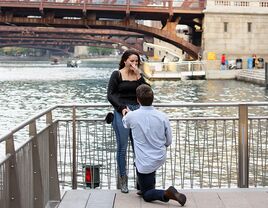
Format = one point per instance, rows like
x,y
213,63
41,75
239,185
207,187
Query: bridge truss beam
x,y
127,25
123,15
73,37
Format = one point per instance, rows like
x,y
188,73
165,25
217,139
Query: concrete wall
x,y
159,53
80,51
237,42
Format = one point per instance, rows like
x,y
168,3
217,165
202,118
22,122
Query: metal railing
x,y
236,6
127,5
214,145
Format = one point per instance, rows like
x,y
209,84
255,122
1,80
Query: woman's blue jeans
x,y
122,135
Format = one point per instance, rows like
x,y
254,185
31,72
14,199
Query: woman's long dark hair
x,y
125,56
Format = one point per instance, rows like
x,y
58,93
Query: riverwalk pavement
x,y
201,198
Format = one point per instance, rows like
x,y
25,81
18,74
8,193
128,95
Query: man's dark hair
x,y
145,95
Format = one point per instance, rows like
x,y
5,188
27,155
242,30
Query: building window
x,y
225,26
249,26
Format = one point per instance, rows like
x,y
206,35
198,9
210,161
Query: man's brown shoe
x,y
172,193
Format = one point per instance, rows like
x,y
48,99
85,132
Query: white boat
x,y
73,63
55,61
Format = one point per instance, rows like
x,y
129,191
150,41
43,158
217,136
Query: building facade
x,y
236,28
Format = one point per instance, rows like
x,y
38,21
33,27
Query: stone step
x,y
253,76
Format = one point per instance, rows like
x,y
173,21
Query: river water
x,y
30,87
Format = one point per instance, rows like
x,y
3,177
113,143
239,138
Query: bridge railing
x,y
248,6
214,145
169,4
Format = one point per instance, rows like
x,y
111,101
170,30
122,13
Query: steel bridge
x,y
64,39
125,15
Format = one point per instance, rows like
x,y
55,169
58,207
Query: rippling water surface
x,y
30,87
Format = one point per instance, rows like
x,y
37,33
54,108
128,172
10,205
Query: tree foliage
x,y
100,51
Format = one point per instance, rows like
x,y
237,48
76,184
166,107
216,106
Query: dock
x,y
196,198
182,70
162,75
256,76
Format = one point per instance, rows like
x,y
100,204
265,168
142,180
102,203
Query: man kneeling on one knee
x,y
152,135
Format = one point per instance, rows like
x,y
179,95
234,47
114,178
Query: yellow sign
x,y
211,56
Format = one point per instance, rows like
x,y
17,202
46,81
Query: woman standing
x,y
121,94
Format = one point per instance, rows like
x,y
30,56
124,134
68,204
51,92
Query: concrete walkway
x,y
202,198
205,198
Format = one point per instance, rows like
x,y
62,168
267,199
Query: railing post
x,y
170,6
38,191
49,118
41,8
266,75
85,7
243,160
128,7
54,189
74,179
13,180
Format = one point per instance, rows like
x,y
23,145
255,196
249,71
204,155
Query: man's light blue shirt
x,y
151,133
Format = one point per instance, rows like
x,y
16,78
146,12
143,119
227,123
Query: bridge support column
x,y
171,26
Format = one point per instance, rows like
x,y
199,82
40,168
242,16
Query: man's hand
x,y
125,111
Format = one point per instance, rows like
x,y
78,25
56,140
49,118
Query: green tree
x,y
100,51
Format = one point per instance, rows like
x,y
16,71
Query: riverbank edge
x,y
255,76
46,58
222,74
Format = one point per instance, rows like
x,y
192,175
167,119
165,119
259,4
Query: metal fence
x,y
214,145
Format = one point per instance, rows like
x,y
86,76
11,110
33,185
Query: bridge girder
x,y
75,41
125,25
94,14
72,36
47,30
64,42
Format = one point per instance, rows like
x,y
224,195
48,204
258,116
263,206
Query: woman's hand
x,y
135,69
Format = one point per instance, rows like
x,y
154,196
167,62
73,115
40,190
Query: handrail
x,y
25,123
174,104
171,104
128,5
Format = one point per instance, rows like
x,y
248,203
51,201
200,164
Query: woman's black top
x,y
122,92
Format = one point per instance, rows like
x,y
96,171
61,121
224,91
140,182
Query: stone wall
x,y
237,41
81,51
